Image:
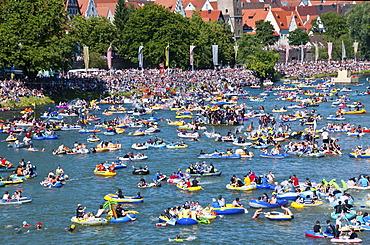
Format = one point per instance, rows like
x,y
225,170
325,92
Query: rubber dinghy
x,y
253,203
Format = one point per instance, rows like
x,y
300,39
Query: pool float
x,y
16,201
176,146
51,137
113,197
345,240
38,137
177,179
14,176
312,234
56,185
136,146
229,209
253,203
242,188
104,173
358,134
243,144
188,135
351,215
122,219
267,186
140,172
187,221
287,195
204,173
101,149
70,127
306,205
156,145
362,155
89,221
355,112
116,165
10,139
93,139
220,155
138,133
334,118
279,110
282,155
192,188
110,133
278,216
260,146
20,145
312,154
134,158
13,181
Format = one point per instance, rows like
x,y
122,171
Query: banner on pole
x,y
215,54
343,51
330,50
109,57
140,56
168,55
287,52
86,57
191,55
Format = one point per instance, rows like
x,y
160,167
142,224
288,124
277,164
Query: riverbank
x,y
327,75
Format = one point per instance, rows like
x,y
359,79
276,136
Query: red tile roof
x,y
206,15
83,6
250,16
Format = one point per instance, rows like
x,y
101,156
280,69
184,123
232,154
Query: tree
x,y
34,35
122,14
298,37
263,63
359,26
334,25
96,32
253,56
265,32
155,27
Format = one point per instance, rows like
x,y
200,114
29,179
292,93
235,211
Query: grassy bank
x,y
65,95
28,102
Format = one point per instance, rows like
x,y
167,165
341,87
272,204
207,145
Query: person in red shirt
x,y
252,177
295,181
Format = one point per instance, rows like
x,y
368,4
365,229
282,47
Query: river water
x,y
55,207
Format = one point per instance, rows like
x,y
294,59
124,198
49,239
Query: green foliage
x,y
335,25
263,63
96,32
122,14
298,37
252,55
265,32
33,35
97,61
359,26
155,28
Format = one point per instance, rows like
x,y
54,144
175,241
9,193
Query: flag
x,y
236,49
343,51
109,57
287,52
330,49
167,52
355,47
140,56
316,51
215,54
86,57
302,53
191,55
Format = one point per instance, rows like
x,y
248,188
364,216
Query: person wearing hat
x,y
80,211
71,228
38,226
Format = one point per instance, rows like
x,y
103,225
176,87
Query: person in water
x,y
71,228
39,226
120,194
257,213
